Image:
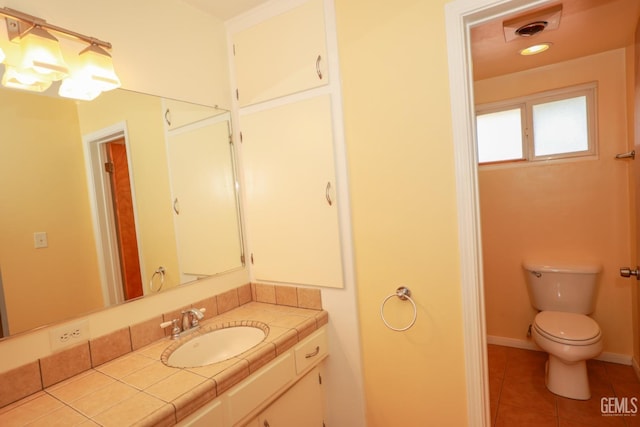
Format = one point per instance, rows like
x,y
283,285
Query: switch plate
x,y
69,334
40,239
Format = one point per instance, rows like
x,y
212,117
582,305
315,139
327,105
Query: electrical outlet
x,y
69,334
40,239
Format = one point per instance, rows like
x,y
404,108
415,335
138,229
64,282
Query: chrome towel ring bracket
x,y
160,271
404,294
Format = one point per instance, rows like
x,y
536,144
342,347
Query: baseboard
x,y
622,359
513,342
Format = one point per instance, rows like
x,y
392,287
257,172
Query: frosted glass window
x,y
560,127
499,136
556,124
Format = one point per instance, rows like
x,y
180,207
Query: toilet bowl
x,y
570,339
564,297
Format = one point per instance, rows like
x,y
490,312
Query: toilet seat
x,y
567,328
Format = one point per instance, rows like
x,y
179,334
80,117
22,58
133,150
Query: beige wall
x,y
36,281
400,157
560,211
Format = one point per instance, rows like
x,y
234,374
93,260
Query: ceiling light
x,y
41,53
535,49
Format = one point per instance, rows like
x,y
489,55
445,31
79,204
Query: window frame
x,y
526,104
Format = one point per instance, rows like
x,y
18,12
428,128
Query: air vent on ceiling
x,y
532,28
532,23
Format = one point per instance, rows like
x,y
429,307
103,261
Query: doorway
x,y
117,168
461,16
113,205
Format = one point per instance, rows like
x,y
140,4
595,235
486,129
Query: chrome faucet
x,y
191,318
190,322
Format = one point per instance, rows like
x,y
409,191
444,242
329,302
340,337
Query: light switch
x,y
40,239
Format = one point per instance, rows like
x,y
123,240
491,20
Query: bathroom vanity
x,y
286,392
277,382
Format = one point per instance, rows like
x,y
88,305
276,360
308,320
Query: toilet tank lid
x,y
562,268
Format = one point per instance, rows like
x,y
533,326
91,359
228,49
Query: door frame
x,y
461,15
103,214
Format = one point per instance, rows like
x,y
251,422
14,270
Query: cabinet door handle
x,y
313,353
167,117
318,70
265,423
327,194
176,206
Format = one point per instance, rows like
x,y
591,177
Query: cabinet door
x,y
211,415
204,199
292,219
282,55
301,405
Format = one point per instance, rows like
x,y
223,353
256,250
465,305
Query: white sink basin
x,y
215,346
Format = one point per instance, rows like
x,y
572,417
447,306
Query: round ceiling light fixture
x,y
535,49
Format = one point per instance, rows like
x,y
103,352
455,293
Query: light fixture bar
x,y
14,28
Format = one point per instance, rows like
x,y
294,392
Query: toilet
x,y
564,296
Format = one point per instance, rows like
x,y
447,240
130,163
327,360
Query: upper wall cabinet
x,y
292,216
282,55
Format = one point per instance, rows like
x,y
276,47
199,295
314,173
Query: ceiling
x,y
586,27
224,9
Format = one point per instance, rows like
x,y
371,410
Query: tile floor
x,y
519,397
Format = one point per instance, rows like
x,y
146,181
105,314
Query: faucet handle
x,y
175,332
197,315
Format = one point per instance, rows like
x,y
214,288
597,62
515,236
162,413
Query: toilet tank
x,y
569,288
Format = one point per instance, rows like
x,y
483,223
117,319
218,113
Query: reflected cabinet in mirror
x,y
97,207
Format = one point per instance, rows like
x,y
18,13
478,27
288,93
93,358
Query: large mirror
x,y
96,207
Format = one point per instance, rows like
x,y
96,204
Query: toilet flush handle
x,y
627,272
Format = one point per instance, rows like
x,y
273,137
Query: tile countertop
x,y
138,389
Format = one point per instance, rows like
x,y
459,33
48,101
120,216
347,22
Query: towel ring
x,y
404,294
159,271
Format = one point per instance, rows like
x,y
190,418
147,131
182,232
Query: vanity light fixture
x,y
41,53
94,75
535,49
97,65
41,60
24,79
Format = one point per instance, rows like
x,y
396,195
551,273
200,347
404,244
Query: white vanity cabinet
x,y
287,392
300,406
282,55
292,215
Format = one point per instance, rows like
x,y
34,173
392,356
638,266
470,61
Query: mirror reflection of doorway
x,y
117,168
113,205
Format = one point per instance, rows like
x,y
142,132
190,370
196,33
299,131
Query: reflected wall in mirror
x,y
63,244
